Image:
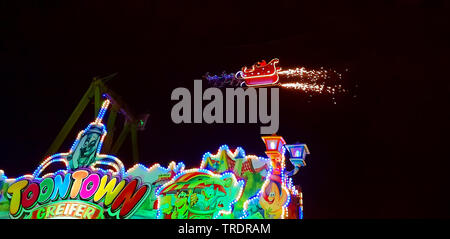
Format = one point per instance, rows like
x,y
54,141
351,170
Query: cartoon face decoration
x,y
272,200
271,191
209,191
90,145
181,200
198,194
85,152
271,197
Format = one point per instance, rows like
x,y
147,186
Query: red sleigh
x,y
261,73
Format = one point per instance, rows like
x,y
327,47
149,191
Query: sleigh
x,y
261,73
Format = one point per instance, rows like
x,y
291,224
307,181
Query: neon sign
x,y
76,194
92,185
81,190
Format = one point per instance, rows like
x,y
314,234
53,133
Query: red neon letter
x,y
128,198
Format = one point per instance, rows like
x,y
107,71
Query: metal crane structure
x,y
132,124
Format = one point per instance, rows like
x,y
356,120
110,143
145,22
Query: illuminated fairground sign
x,y
91,185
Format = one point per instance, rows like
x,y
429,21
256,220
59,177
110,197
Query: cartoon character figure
x,y
208,199
206,196
166,205
85,152
272,200
181,206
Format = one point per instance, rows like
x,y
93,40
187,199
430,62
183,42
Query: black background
x,y
379,155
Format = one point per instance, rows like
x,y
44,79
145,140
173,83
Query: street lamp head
x,y
297,153
274,143
297,150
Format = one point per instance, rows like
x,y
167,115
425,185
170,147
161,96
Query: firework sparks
x,y
310,75
313,81
304,87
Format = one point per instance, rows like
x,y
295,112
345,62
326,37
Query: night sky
x,y
376,155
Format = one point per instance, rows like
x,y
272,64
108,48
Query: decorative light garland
x,y
177,170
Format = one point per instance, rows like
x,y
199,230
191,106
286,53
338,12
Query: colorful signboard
x,y
97,186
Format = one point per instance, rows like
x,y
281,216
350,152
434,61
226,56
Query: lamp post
x,y
275,195
275,149
297,153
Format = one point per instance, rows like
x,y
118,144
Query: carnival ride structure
x,y
95,184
